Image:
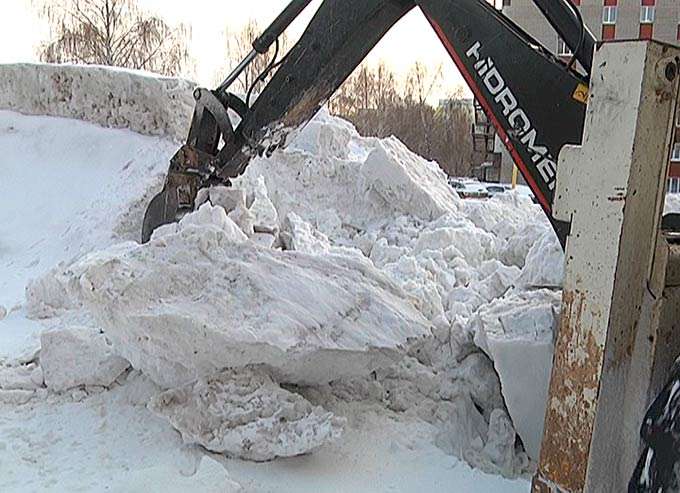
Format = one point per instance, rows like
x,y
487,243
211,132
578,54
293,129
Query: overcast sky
x,y
412,39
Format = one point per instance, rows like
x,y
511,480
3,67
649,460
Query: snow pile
x,y
199,298
246,415
342,183
346,267
117,98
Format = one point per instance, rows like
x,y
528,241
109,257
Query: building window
x,y
675,155
507,3
609,14
674,185
647,14
562,48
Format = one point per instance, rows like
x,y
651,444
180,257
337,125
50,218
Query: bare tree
x,y
420,84
452,140
112,32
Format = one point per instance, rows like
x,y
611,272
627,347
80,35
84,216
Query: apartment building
x,y
607,20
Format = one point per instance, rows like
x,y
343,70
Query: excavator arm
x,y
536,102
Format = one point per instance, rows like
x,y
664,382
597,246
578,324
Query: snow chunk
x,y
265,240
473,244
187,305
406,182
501,278
325,136
213,216
517,332
58,290
227,197
244,414
262,209
517,248
23,377
544,266
499,456
301,236
244,219
16,397
78,356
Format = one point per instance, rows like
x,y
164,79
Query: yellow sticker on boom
x,y
581,93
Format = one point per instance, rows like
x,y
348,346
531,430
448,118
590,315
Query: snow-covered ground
x,y
377,333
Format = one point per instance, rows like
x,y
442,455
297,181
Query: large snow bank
x,y
380,251
365,272
117,98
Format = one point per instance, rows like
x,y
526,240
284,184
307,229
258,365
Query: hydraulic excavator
x,y
536,101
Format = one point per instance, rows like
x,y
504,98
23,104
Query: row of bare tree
x,y
119,33
378,105
112,32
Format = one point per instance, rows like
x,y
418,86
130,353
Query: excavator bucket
x,y
161,210
194,165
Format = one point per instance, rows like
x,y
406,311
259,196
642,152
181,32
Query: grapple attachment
x,y
210,155
211,141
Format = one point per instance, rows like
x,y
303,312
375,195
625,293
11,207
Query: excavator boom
x,y
535,101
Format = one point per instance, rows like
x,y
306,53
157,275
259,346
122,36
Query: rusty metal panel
x,y
571,404
611,188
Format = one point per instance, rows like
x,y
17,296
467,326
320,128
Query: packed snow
x,y
111,97
340,306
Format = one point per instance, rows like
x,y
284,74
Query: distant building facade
x,y
607,20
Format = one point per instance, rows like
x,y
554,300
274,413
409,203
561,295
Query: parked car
x,y
456,184
470,188
496,189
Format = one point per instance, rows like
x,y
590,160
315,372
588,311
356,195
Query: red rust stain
x,y
567,435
